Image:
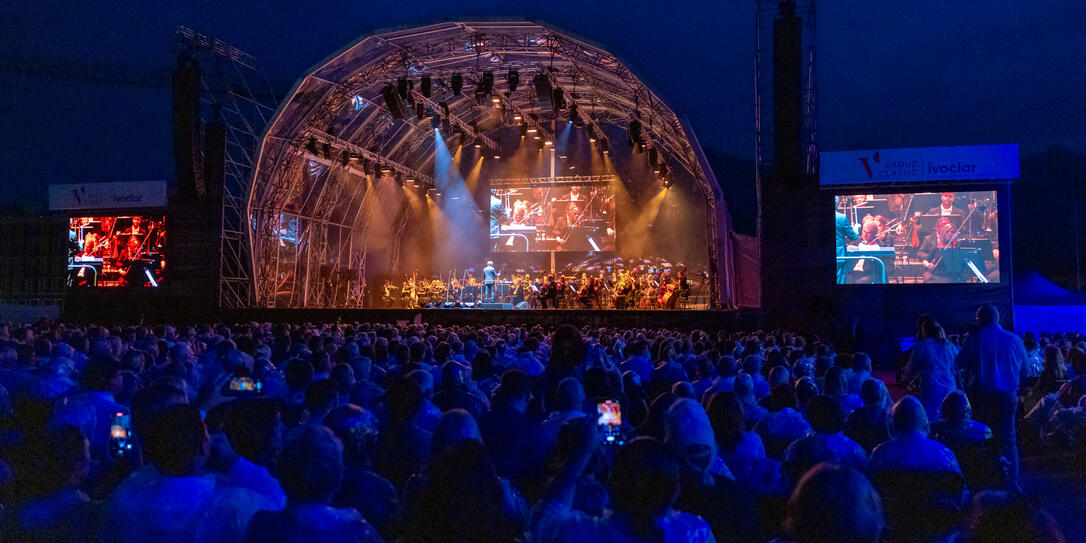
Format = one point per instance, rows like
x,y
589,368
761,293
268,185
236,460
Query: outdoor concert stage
x,y
680,319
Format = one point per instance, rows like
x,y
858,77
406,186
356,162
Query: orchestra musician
x,y
947,206
931,250
136,229
588,293
844,232
549,293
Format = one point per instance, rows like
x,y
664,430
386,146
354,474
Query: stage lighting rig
x,y
513,80
667,182
457,83
311,146
344,158
420,110
543,91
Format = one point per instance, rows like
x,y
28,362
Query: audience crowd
x,y
423,433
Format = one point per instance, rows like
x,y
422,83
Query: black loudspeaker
x,y
543,91
188,161
788,95
425,85
393,101
214,158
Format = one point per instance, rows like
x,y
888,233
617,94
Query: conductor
x,y
489,276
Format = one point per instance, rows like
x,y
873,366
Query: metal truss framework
x,y
555,181
235,92
339,102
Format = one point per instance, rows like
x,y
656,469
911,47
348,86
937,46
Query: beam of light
x,y
561,141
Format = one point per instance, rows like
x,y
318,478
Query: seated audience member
x,y
1041,416
910,449
835,385
637,361
513,438
428,413
834,504
860,373
752,366
743,387
458,391
806,390
870,425
462,501
782,424
1002,516
570,404
706,487
63,513
1051,377
644,482
362,488
102,379
310,470
404,447
826,442
742,451
956,426
176,500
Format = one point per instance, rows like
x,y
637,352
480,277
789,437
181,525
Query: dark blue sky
x,y
84,86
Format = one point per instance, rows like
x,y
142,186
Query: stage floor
x,y
550,318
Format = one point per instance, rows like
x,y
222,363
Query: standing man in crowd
x,y
995,360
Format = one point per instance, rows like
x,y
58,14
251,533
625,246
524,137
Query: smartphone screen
x,y
120,434
610,413
243,386
610,419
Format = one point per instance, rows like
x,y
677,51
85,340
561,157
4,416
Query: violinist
x,y
931,250
549,293
588,292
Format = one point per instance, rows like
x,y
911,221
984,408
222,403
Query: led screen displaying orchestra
x,y
552,218
123,251
923,237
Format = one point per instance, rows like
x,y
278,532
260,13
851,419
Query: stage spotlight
x,y
311,146
435,121
444,108
548,142
488,82
386,169
663,170
457,83
420,110
478,144
513,80
496,157
425,85
653,157
667,181
516,117
523,129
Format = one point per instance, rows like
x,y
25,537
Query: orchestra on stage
x,y
635,289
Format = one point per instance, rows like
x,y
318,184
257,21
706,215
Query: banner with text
x,y
969,162
128,194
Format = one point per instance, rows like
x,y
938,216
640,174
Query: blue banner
x,y
968,162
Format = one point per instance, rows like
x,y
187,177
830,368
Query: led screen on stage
x,y
921,237
121,251
552,218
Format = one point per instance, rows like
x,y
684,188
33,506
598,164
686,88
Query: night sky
x,y
84,86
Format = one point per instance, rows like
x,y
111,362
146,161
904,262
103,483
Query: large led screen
x,y
921,237
552,218
112,252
